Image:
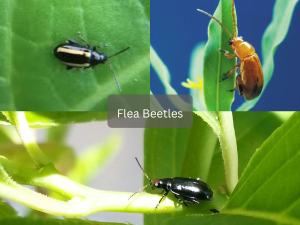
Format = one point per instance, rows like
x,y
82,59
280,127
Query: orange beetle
x,y
250,80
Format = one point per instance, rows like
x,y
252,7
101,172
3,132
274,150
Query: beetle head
x,y
156,184
235,42
98,58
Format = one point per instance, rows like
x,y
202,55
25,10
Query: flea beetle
x,y
250,80
77,55
186,190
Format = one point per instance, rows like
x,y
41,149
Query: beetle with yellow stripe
x,y
77,55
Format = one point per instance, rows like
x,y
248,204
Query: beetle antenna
x,y
138,191
114,76
119,52
215,20
145,175
233,19
143,170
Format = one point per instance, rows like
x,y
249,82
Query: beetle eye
x,y
230,42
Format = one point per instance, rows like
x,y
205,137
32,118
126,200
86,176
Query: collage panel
x,y
85,139
71,55
185,57
71,168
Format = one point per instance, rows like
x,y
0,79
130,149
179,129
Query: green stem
x,y
18,119
211,118
84,200
229,150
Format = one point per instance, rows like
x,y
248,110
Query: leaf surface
x,y
269,186
31,78
216,66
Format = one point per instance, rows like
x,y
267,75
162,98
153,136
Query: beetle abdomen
x,y
252,77
188,188
73,55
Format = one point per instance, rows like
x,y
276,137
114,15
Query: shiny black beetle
x,y
74,54
186,190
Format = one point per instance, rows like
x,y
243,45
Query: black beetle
x,y
186,190
74,54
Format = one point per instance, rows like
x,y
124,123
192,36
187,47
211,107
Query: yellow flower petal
x,y
191,84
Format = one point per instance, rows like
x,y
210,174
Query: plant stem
x,y
84,200
18,119
229,149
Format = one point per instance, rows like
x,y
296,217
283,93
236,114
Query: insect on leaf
x,y
31,78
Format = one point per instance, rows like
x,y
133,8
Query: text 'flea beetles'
x,y
186,190
82,56
250,80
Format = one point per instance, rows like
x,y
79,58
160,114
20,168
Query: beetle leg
x,y
81,38
193,201
231,72
69,67
214,210
165,194
232,90
71,42
226,54
239,85
181,201
100,46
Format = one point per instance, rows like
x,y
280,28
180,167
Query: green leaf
x,y
6,211
162,72
196,70
269,186
90,162
7,134
43,221
31,78
216,93
200,148
218,219
273,36
57,134
62,156
251,129
49,119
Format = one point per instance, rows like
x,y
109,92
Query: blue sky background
x,y
176,28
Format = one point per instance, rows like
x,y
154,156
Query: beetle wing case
x,y
191,190
73,55
252,77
